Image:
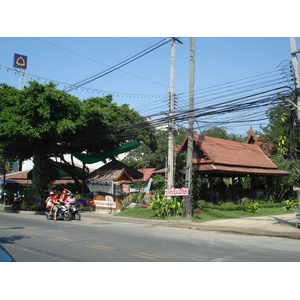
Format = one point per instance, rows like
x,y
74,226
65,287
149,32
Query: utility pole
x,y
170,164
187,205
294,52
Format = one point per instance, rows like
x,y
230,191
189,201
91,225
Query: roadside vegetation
x,y
215,212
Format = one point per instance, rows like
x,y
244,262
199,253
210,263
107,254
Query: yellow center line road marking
x,y
60,239
99,247
25,232
148,256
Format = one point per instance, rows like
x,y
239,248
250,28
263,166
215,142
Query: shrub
x,y
288,204
29,207
200,204
243,206
165,207
253,207
126,201
175,206
231,207
138,198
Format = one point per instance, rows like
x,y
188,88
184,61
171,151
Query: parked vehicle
x,y
5,256
62,214
16,206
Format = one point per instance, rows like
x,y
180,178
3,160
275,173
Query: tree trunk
x,y
38,171
43,171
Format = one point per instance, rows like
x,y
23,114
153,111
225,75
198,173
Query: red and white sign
x,y
108,203
177,192
296,188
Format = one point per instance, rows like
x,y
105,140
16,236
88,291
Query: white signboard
x,y
177,192
296,188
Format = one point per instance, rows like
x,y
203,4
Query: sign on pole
x,y
177,192
20,61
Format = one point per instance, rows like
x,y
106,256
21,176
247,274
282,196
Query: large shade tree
x,y
282,133
145,157
45,123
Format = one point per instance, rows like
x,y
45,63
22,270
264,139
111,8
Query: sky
x,y
143,84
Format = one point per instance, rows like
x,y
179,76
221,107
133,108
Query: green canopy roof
x,y
93,158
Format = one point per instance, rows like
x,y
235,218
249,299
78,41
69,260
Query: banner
x,y
104,186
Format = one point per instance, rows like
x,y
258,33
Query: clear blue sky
x,y
222,52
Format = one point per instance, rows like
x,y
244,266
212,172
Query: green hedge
x,y
240,206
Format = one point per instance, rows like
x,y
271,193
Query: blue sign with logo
x,y
20,61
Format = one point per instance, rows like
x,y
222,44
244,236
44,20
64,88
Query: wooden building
x,y
214,157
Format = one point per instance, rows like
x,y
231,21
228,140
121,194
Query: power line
x,y
119,65
93,90
94,60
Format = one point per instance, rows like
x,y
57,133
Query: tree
x,y
145,157
221,133
279,131
282,133
43,122
33,124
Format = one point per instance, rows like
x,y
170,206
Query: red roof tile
x,y
214,155
147,173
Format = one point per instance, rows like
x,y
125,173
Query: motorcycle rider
x,y
49,202
70,199
61,200
56,205
64,195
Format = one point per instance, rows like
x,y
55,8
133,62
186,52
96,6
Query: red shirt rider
x,y
63,197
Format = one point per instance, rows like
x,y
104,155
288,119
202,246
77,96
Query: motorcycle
x,y
16,206
62,214
74,210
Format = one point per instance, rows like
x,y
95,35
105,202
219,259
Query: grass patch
x,y
144,213
209,214
206,215
141,213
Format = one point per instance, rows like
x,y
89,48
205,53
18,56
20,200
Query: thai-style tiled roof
x,y
255,139
218,156
147,173
113,175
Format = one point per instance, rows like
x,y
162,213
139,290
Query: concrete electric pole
x,y
294,52
187,205
170,164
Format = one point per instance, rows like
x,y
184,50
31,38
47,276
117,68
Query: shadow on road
x,y
12,239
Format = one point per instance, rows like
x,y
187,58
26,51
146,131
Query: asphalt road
x,y
35,239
